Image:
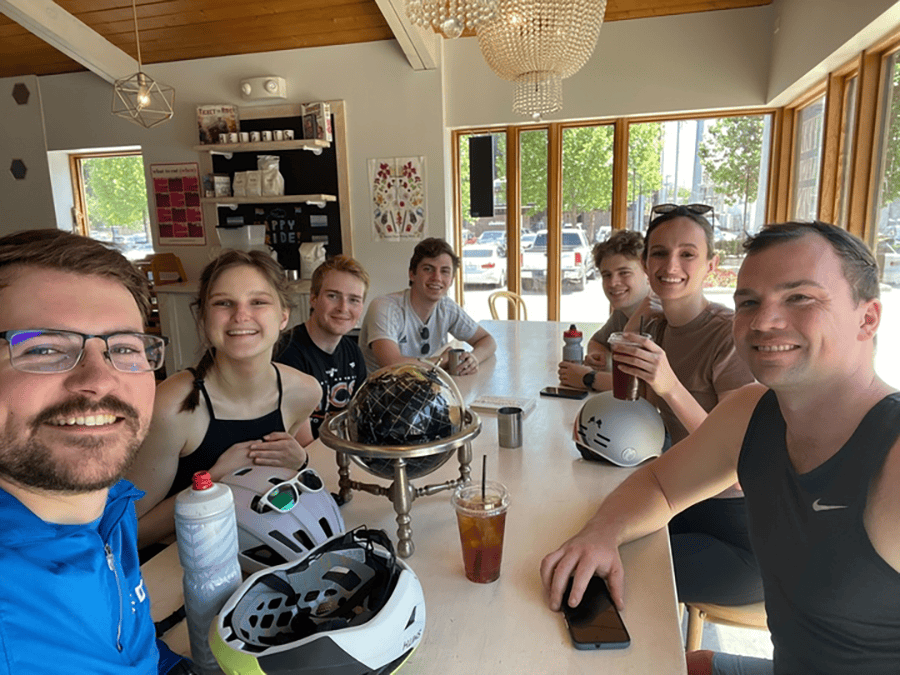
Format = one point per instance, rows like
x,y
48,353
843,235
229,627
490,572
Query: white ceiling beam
x,y
55,26
420,46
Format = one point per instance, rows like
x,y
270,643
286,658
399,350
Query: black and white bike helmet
x,y
281,514
625,433
350,607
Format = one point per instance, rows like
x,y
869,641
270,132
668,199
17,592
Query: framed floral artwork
x,y
397,187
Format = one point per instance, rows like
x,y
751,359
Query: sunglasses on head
x,y
285,495
424,333
696,209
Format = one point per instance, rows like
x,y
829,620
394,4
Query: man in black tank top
x,y
816,447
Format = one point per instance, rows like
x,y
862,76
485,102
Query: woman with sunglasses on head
x,y
689,364
236,407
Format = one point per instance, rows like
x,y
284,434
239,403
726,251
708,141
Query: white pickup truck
x,y
577,263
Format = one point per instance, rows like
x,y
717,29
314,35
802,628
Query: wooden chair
x,y
160,269
513,298
741,616
166,268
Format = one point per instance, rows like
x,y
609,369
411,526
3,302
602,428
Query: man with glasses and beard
x,y
413,324
76,395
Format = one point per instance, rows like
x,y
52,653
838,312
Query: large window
x,y
886,233
806,169
111,200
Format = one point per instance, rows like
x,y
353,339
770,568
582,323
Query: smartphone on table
x,y
595,623
564,392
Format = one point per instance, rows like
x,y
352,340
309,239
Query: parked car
x,y
889,259
528,240
494,237
483,264
577,263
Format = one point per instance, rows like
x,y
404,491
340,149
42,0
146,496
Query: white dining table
x,y
506,626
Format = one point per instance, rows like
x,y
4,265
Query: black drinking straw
x,y
483,472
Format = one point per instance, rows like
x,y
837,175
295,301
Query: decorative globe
x,y
403,405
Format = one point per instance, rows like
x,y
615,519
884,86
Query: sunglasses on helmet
x,y
285,495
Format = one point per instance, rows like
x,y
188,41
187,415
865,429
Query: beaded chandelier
x,y
450,17
139,98
537,44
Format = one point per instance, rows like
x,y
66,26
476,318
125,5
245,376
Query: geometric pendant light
x,y
139,98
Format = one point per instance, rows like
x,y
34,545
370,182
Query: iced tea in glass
x,y
625,387
482,520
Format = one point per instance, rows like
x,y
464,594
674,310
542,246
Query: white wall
x,y
27,203
392,111
643,66
814,37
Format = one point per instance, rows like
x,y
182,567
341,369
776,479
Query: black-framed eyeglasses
x,y
43,350
424,334
286,495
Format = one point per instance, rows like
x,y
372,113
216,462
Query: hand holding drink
x,y
625,387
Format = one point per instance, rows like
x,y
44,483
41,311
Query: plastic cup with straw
x,y
481,515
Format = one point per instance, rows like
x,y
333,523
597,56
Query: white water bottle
x,y
206,529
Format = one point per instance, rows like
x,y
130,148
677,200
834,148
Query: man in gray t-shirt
x,y
413,324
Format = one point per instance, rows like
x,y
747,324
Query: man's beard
x,y
30,463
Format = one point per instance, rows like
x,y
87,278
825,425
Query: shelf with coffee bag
x,y
314,145
313,172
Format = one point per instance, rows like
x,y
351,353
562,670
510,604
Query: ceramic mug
x,y
278,135
245,137
233,137
255,137
288,134
267,135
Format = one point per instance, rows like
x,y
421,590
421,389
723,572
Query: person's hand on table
x,y
596,360
278,448
647,362
572,374
468,364
581,557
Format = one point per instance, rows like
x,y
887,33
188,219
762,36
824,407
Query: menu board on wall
x,y
176,189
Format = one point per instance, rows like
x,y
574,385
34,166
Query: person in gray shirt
x,y
413,324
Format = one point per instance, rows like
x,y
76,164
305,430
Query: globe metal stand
x,y
398,461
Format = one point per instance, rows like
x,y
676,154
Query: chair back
x,y
740,616
166,268
514,299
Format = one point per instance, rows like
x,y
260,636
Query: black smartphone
x,y
595,623
564,392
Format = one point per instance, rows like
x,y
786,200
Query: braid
x,y
192,400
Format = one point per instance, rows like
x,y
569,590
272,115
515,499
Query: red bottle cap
x,y
202,480
572,332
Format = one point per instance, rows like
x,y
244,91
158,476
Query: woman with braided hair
x,y
236,407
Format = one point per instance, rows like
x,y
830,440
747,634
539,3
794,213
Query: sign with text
x,y
176,192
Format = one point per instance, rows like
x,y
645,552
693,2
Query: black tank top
x,y
221,435
833,602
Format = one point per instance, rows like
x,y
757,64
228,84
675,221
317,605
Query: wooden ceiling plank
x,y
72,37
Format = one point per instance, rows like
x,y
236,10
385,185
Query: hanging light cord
x,y
137,39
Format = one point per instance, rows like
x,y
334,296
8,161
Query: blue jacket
x,y
72,599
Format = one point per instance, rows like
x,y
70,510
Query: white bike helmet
x,y
281,514
350,607
623,432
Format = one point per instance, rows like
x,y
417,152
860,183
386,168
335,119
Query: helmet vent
x,y
284,619
278,536
412,619
244,471
312,595
346,578
303,537
274,603
326,528
267,621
